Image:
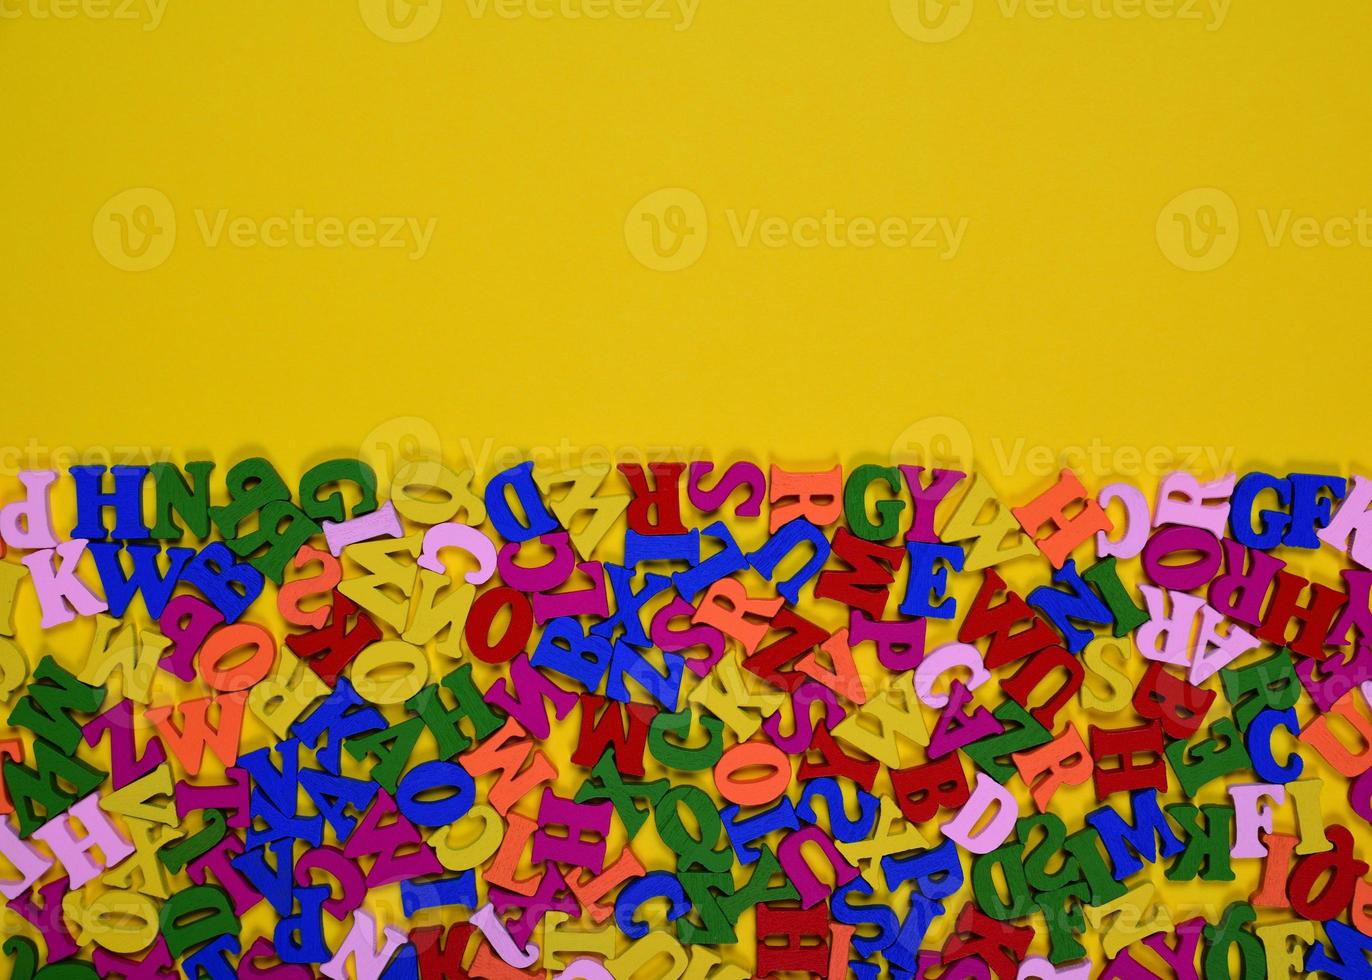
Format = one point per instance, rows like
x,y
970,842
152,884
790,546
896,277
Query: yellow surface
x,y
696,233
529,142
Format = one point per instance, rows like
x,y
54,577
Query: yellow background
x,y
530,326
529,141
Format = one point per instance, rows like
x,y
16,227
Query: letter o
x,y
226,641
752,792
389,654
